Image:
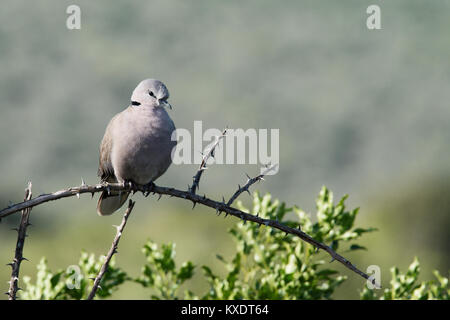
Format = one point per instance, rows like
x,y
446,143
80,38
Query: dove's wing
x,y
105,168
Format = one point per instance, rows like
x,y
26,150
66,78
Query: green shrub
x,y
267,263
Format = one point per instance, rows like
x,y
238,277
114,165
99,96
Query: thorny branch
x,y
112,251
219,206
18,257
249,182
206,156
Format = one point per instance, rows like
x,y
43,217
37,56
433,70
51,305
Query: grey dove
x,y
137,144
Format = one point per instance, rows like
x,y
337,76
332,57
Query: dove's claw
x,y
148,188
130,184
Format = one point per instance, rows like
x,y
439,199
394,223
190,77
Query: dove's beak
x,y
164,103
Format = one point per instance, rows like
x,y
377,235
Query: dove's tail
x,y
109,203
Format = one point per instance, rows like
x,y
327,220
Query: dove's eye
x,y
151,94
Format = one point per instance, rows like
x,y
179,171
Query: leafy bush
x,y
75,282
267,264
406,286
160,271
271,265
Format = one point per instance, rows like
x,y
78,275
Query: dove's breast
x,y
142,144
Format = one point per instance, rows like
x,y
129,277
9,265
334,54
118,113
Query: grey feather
x,y
137,144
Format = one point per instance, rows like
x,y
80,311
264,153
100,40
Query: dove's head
x,y
151,92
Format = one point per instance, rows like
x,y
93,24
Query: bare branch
x,y
206,156
187,195
250,181
18,257
112,251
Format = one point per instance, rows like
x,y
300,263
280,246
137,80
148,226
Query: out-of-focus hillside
x,y
363,112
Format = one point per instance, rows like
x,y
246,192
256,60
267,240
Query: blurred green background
x,y
363,112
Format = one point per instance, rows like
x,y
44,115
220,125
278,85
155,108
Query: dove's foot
x,y
130,184
148,188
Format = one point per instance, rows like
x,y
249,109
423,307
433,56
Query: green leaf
x,y
186,271
357,247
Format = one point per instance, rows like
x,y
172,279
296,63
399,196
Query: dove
x,y
137,144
